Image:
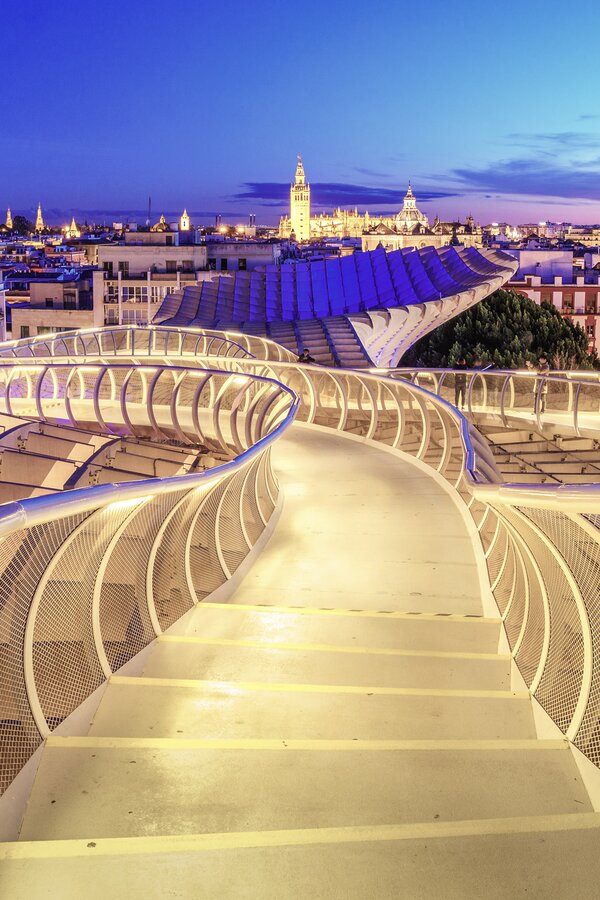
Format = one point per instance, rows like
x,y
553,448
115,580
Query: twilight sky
x,y
489,108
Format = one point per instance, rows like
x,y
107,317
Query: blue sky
x,y
492,109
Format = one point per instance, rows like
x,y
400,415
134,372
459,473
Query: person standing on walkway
x,y
541,386
460,383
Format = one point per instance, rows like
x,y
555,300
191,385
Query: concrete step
x,y
537,858
110,787
223,660
342,627
151,707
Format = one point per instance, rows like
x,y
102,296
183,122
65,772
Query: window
x,y
24,331
69,300
158,293
212,262
242,264
49,303
136,316
223,265
187,265
589,329
171,265
108,267
169,240
124,267
135,294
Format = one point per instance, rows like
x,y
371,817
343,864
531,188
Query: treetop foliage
x,y
21,225
505,330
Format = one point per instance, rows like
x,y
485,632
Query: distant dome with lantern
x,y
409,215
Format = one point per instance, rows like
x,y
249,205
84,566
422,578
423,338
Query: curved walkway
x,y
362,529
343,727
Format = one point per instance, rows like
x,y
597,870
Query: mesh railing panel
x,y
526,613
230,534
580,549
505,585
66,667
19,734
205,564
560,684
125,620
24,557
497,556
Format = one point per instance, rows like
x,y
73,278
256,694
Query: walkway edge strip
x,y
324,648
191,843
118,743
351,613
276,688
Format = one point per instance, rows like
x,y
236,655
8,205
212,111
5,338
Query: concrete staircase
x,y
312,335
326,741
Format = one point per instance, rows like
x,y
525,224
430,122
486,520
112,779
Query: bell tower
x,y
39,220
300,204
184,222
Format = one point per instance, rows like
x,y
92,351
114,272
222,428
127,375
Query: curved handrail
x,y
569,399
113,565
137,338
538,540
35,510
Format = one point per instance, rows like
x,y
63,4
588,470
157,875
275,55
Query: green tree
x,y
21,225
505,330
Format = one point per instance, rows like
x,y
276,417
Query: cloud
x,y
332,193
585,117
557,141
371,173
60,216
534,177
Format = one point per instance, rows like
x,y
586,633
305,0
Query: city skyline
x,y
126,103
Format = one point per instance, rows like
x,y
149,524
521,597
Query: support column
x,y
149,289
3,335
120,295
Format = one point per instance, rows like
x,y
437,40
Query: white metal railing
x,y
147,340
541,542
568,399
90,577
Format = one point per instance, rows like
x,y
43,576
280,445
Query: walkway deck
x,y
343,727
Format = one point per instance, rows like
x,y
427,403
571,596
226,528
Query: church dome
x,y
409,215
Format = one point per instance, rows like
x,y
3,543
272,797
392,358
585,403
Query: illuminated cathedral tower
x,y
300,204
184,222
9,221
72,231
39,220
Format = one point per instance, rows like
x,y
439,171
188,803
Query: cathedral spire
x,y
300,177
39,221
72,231
9,221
